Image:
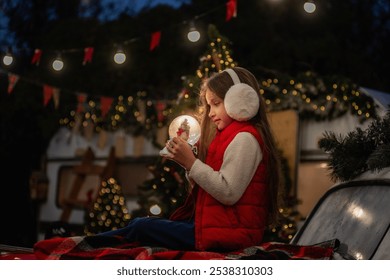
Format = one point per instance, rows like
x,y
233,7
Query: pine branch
x,y
330,141
380,158
359,151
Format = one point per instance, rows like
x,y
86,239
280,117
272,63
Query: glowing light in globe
x,y
155,209
185,126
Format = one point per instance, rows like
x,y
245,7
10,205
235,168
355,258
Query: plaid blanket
x,y
116,248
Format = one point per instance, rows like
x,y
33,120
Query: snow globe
x,y
185,127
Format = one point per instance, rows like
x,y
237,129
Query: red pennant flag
x,y
47,94
12,80
37,57
80,102
155,40
105,104
88,52
231,9
160,107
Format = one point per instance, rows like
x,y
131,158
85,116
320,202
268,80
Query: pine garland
x,y
359,151
316,97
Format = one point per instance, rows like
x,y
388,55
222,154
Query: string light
x,y
193,34
309,6
58,64
8,58
155,210
120,56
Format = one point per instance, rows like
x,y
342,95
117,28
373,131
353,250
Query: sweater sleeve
x,y
240,162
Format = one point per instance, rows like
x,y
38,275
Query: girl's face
x,y
217,110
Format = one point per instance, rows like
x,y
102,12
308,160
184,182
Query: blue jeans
x,y
152,231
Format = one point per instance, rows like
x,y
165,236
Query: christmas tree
x,y
162,194
109,211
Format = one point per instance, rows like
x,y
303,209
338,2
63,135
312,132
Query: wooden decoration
x,y
86,168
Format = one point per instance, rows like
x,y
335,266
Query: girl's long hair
x,y
219,83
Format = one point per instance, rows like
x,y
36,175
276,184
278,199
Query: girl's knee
x,y
139,224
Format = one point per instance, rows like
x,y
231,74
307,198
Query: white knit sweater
x,y
240,162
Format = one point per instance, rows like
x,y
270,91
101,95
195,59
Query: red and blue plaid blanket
x,y
116,248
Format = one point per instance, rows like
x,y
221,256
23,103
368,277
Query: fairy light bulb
x,y
58,64
119,57
309,7
193,35
155,210
8,59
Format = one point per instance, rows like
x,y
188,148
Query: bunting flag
x,y
155,40
81,98
155,37
231,9
36,57
47,94
12,80
105,104
160,107
88,52
56,97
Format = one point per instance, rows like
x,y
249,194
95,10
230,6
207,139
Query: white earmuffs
x,y
241,100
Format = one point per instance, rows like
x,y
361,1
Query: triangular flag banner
x,y
80,102
155,40
88,52
37,57
56,97
231,9
105,104
12,80
47,94
160,107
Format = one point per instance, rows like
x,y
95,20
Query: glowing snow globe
x,y
185,127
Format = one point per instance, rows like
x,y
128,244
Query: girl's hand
x,y
181,152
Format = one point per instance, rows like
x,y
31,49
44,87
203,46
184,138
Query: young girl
x,y
235,178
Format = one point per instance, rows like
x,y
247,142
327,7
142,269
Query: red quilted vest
x,y
219,226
